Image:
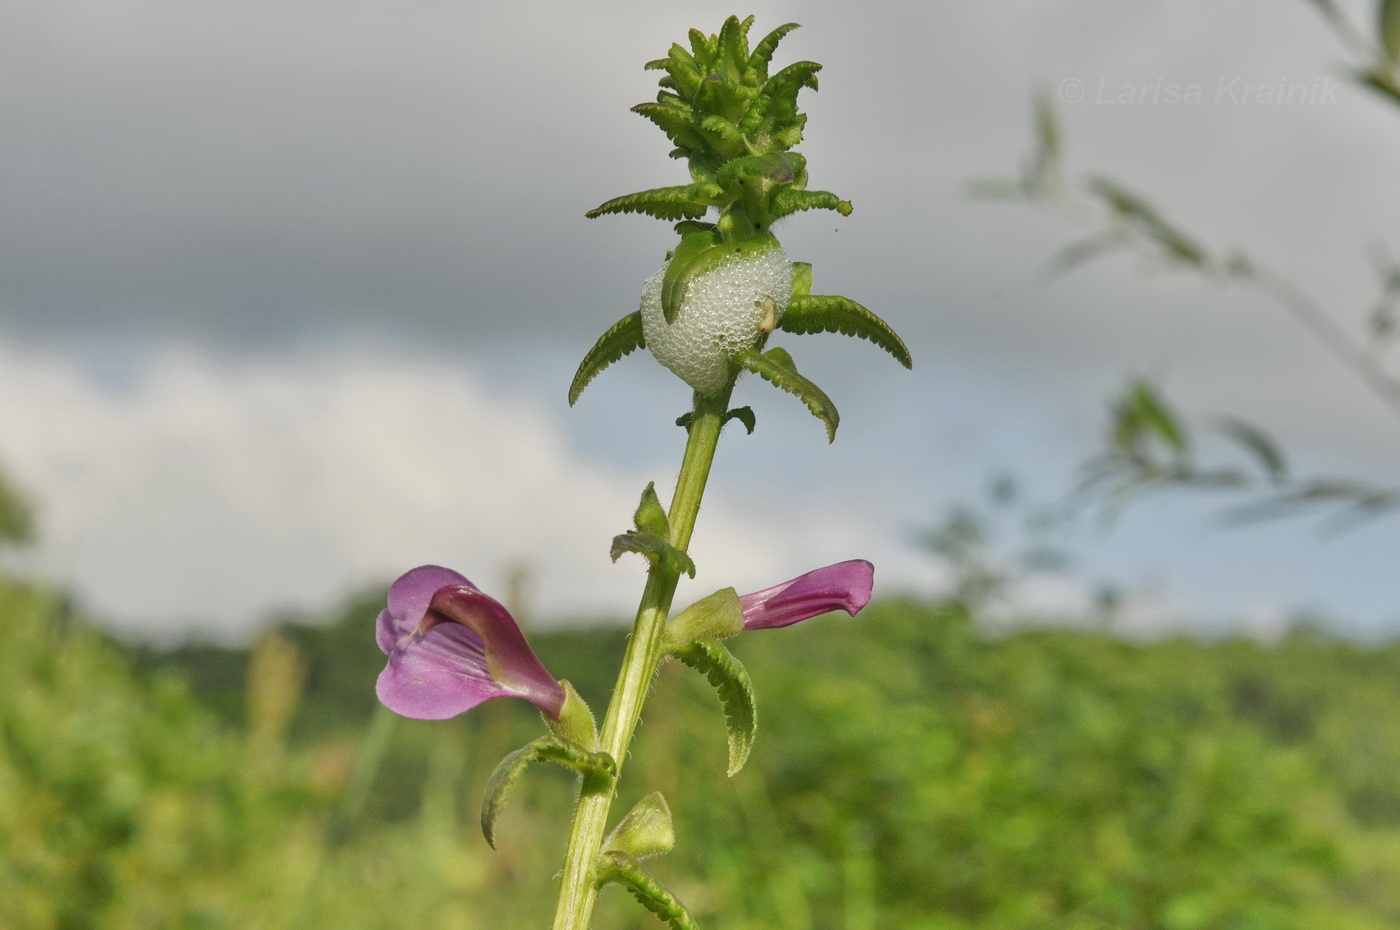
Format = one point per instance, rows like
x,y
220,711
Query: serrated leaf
x,y
656,550
776,367
722,127
783,87
623,338
674,121
828,313
684,71
790,200
732,46
594,766
619,868
701,47
651,516
762,55
777,167
731,682
683,201
1390,29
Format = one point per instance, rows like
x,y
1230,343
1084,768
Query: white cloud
x,y
200,493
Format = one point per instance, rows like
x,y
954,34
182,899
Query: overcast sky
x,y
290,295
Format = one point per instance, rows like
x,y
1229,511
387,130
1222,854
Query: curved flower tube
x,y
451,647
843,586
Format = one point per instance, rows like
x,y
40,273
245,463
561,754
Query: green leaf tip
x,y
736,125
777,368
731,682
592,766
651,516
621,869
624,338
682,202
826,313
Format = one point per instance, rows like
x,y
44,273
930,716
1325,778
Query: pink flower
x,y
843,586
450,647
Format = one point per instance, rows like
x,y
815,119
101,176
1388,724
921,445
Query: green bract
x,y
728,284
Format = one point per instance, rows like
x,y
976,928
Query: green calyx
x,y
718,616
736,126
575,723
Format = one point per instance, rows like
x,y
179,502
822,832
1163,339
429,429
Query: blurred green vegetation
x,y
911,771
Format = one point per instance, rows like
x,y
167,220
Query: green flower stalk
x,y
707,314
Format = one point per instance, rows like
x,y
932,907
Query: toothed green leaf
x,y
722,127
731,682
597,767
619,868
763,51
788,201
684,72
776,367
775,167
828,313
701,46
625,337
733,45
656,550
782,88
675,122
684,201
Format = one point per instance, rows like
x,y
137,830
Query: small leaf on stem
x,y
621,869
596,768
731,682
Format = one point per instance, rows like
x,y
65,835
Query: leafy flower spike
x,y
843,586
451,647
728,284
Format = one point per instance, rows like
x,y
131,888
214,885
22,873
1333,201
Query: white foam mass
x,y
718,318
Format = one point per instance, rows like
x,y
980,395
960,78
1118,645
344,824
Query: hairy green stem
x,y
579,891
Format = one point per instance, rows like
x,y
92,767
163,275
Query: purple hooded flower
x,y
450,647
843,586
